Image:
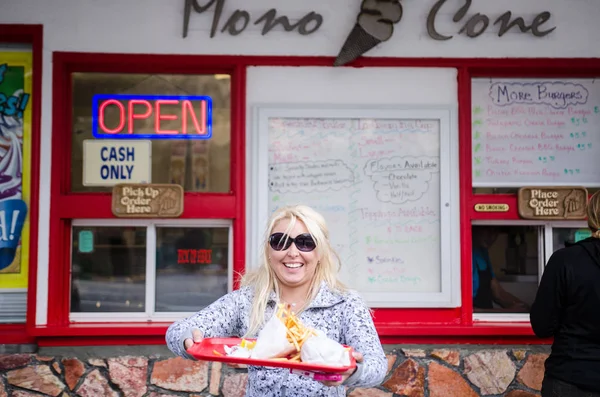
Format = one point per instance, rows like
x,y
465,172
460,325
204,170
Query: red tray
x,y
204,351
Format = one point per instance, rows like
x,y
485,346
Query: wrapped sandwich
x,y
284,337
320,349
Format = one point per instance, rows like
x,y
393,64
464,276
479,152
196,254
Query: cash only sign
x,y
120,153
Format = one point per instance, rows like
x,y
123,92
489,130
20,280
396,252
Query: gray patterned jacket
x,y
343,317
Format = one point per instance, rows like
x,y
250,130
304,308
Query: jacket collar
x,y
326,297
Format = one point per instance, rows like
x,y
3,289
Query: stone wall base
x,y
414,371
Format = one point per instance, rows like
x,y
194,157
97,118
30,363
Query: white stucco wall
x,y
155,26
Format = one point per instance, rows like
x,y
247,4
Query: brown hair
x,y
593,214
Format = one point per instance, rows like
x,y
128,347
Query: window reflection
x,y
191,267
197,165
108,269
564,236
505,268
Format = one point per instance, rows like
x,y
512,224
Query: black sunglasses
x,y
280,241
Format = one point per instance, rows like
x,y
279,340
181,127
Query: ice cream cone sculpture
x,y
375,24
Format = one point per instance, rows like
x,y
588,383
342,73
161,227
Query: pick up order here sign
x,y
107,163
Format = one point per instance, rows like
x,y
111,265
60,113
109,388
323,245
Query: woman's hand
x,y
359,359
196,338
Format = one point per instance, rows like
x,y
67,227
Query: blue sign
x,y
12,219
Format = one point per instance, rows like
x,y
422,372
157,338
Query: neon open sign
x,y
151,117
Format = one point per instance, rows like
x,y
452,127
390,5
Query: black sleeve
x,y
550,298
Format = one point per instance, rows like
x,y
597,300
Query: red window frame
x,y
66,205
443,325
33,35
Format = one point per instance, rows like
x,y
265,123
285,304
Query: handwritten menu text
x,y
535,132
377,184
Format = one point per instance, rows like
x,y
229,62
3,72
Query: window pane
x,y
108,269
505,267
564,236
197,165
191,267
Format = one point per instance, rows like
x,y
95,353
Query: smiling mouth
x,y
293,265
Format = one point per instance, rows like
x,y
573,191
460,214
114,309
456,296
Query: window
x,y
146,270
506,262
154,269
197,165
192,267
521,138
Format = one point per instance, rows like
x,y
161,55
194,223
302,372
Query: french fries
x,y
297,333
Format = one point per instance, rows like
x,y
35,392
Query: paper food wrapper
x,y
324,351
272,341
358,42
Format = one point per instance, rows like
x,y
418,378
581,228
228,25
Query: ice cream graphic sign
x,y
15,130
375,24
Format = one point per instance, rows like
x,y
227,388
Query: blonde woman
x,y
567,307
300,268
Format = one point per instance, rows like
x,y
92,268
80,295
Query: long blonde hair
x,y
264,281
593,214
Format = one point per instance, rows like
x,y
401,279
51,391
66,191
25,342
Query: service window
x,y
131,258
149,270
506,266
563,234
535,146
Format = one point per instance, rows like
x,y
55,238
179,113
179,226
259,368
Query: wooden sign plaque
x,y
563,202
147,201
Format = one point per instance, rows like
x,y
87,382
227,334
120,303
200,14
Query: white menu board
x,y
380,184
535,132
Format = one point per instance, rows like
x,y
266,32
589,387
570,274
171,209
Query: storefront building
x,y
451,146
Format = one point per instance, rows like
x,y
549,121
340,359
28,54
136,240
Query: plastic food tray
x,y
205,351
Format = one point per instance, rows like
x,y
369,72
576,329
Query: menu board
x,y
535,132
377,183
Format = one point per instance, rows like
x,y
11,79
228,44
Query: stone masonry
x,y
448,371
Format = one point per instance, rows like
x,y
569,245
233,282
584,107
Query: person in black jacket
x,y
567,307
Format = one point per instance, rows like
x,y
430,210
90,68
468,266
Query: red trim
x,y
449,325
66,205
15,334
34,35
238,170
98,206
105,341
464,340
57,255
421,340
464,141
